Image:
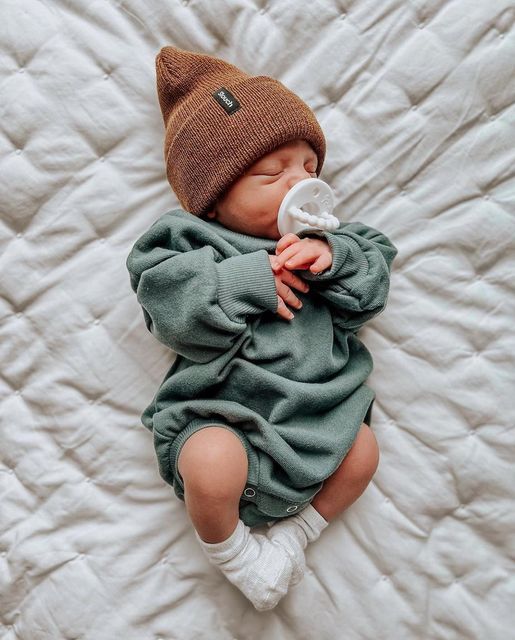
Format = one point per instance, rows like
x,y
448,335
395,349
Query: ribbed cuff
x,y
246,284
226,549
313,518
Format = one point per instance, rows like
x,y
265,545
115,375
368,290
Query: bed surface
x,y
417,103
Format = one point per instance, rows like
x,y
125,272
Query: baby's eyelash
x,y
279,172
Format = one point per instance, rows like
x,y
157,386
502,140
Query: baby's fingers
x,y
288,297
282,309
286,241
291,252
301,260
294,281
322,263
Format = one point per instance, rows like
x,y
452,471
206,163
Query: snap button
x,y
249,492
294,507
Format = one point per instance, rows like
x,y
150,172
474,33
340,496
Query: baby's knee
x,y
213,462
372,448
365,454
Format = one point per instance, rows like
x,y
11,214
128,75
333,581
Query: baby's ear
x,y
205,215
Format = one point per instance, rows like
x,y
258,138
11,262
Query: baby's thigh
x,y
214,458
363,458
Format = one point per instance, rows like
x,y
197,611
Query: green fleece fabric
x,y
295,389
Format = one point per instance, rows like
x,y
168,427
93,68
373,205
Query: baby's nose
x,y
297,177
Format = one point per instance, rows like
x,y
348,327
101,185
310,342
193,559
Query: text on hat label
x,y
226,100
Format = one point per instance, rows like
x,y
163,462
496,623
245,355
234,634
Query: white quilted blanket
x,y
417,103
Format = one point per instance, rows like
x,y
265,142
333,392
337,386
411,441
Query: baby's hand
x,y
284,279
294,253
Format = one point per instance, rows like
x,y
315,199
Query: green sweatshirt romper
x,y
293,391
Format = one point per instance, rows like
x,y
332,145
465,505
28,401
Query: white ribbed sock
x,y
294,533
261,570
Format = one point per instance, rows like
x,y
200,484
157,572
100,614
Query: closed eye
x,y
313,171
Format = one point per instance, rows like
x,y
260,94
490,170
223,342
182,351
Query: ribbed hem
x,y
246,284
313,518
226,549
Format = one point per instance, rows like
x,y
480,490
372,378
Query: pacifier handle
x,y
307,205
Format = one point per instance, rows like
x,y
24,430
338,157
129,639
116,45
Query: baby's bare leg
x,y
213,465
351,478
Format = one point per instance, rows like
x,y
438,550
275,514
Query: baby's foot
x,y
261,570
295,533
281,535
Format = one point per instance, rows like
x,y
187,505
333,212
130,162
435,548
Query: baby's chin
x,y
272,231
246,223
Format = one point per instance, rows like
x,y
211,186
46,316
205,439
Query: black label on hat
x,y
226,100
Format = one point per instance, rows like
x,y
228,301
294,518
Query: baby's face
x,y
252,202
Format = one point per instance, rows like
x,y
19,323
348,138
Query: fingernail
x,y
291,316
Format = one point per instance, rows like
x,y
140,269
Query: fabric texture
x,y
219,121
294,390
262,570
293,534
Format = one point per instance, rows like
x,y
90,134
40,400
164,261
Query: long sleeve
x,y
358,282
195,301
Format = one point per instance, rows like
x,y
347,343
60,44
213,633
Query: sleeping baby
x,y
264,416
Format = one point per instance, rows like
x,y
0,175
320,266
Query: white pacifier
x,y
307,205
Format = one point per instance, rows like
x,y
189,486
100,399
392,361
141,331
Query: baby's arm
x,y
358,281
193,301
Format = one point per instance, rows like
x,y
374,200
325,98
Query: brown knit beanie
x,y
219,121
